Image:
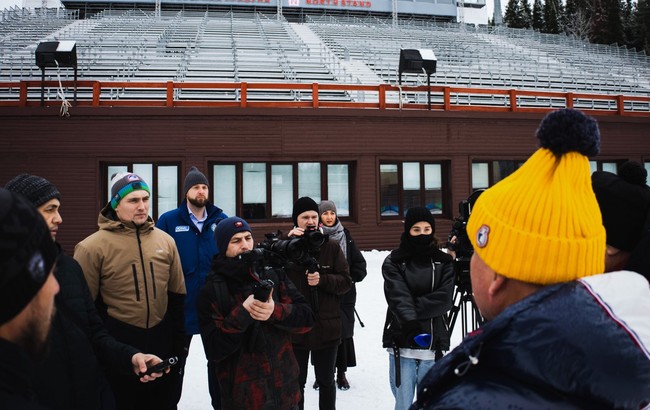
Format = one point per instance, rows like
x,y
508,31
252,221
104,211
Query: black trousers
x,y
213,383
324,361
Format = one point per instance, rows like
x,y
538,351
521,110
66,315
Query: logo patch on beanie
x,y
238,224
482,236
132,177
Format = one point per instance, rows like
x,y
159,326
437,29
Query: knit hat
x,y
193,177
226,229
542,223
36,189
123,184
301,205
325,206
624,201
27,253
418,214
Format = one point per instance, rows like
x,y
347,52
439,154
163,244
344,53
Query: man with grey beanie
x,y
192,226
71,374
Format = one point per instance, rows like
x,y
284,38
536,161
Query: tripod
x,y
463,301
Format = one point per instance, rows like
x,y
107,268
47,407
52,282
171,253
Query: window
x,y
609,166
261,190
487,173
404,185
162,179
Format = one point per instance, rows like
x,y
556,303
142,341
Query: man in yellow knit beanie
x,y
560,333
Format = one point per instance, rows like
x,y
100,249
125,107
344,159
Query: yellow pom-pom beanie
x,y
542,224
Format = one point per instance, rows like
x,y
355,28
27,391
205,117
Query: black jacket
x,y
419,295
72,374
358,272
16,375
325,299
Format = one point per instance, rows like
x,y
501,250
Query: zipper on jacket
x,y
135,282
144,275
153,280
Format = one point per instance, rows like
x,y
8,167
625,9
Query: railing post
x,y
513,100
314,95
23,94
569,100
170,93
620,105
243,95
382,96
97,89
446,92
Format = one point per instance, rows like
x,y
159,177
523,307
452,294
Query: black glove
x,y
410,329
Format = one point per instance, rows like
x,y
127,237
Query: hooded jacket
x,y
196,250
135,275
255,363
584,344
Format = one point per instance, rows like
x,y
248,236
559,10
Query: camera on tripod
x,y
458,241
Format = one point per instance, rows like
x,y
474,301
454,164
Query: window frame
x,y
445,186
239,188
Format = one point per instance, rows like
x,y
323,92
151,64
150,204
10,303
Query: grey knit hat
x,y
326,205
194,177
36,189
27,253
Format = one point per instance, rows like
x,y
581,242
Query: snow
x,y
369,388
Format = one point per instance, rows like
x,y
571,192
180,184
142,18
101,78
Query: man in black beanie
x,y
71,375
27,290
192,226
624,202
323,286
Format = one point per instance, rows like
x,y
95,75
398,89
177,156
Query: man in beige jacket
x,y
134,273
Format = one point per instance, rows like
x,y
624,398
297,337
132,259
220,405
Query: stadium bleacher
x,y
227,46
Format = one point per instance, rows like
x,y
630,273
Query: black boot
x,y
342,381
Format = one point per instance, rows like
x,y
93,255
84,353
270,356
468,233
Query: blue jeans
x,y
412,373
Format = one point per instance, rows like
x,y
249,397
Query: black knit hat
x,y
194,177
624,202
226,229
36,189
27,253
301,205
418,214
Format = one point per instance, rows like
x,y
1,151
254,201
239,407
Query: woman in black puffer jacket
x,y
418,285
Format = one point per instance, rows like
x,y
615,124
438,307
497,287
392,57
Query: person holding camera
x,y
334,230
323,282
247,313
418,285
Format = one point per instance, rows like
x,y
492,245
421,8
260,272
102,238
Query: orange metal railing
x,y
306,95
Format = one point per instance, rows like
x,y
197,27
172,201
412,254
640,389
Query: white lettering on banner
x,y
295,3
344,3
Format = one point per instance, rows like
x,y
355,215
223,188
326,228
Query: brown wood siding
x,y
68,151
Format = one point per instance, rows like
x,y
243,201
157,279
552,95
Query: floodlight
x,y
418,61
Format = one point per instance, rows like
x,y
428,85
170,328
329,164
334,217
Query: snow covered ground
x,y
369,388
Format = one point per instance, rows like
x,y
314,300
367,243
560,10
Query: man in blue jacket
x,y
192,226
560,333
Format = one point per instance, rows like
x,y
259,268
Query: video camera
x,y
462,245
295,251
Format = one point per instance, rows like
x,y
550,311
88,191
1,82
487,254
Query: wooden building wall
x,y
68,151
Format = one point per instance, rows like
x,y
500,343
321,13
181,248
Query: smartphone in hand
x,y
160,367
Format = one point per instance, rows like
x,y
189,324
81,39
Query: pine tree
x,y
526,16
552,16
614,22
538,15
511,17
641,23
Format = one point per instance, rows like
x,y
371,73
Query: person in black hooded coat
x,y
418,285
